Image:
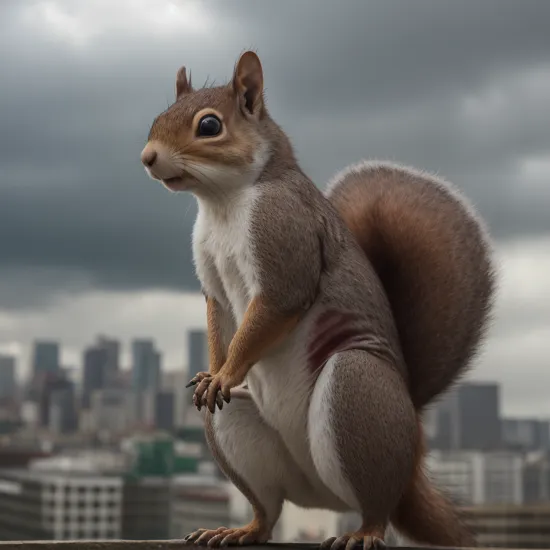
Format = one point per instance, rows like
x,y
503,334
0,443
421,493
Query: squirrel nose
x,y
148,156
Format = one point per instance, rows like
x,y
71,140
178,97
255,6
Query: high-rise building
x,y
164,410
536,478
63,415
468,418
197,345
175,383
8,384
113,410
95,373
479,410
101,367
146,366
45,357
59,506
112,347
50,383
475,477
526,434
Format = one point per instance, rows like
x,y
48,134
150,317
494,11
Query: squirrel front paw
x,y
212,391
197,378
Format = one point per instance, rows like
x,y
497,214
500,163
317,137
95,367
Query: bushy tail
x,y
434,259
427,516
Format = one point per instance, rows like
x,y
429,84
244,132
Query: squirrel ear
x,y
183,86
248,83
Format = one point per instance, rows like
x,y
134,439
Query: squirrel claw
x,y
349,542
199,377
194,535
222,537
327,544
202,536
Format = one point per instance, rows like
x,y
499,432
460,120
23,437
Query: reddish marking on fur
x,y
334,331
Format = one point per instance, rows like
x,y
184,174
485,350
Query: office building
x,y
165,410
59,505
197,345
146,508
510,526
63,414
157,410
50,383
200,501
536,478
468,418
175,383
95,373
45,358
477,478
526,434
8,383
112,410
146,366
112,366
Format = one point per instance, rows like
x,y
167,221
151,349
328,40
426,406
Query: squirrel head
x,y
211,139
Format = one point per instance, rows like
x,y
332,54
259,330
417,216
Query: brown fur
x,y
262,328
389,247
183,85
216,350
384,454
426,515
430,255
259,525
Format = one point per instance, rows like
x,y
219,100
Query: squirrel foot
x,y
222,536
371,540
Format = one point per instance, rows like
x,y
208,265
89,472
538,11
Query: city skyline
x,y
194,361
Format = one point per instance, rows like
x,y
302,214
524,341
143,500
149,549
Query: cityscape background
x,y
117,451
101,319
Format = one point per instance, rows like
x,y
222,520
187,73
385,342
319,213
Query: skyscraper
x,y
63,416
146,366
45,358
479,409
8,384
95,372
468,418
112,348
197,345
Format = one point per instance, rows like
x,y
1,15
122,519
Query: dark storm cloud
x,y
385,79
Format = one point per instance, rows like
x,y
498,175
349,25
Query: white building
x,y
112,410
474,477
61,503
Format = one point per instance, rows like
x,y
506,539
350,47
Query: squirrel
x,y
334,318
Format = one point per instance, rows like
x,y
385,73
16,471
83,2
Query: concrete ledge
x,y
141,545
157,545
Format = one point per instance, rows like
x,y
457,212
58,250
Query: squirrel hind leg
x,y
252,456
363,434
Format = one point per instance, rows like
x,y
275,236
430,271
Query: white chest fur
x,y
222,250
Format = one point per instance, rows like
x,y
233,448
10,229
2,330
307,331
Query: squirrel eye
x,y
209,126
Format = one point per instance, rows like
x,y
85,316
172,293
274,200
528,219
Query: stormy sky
x,y
88,244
